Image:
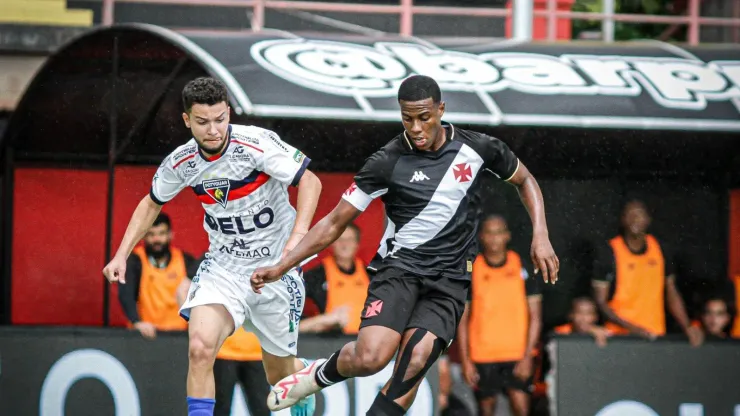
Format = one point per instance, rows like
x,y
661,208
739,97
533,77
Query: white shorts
x,y
273,315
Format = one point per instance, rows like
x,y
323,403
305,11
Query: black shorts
x,y
400,300
497,378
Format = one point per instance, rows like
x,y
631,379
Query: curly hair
x,y
203,90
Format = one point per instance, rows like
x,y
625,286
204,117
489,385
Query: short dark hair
x,y
203,90
162,218
582,298
419,87
353,226
716,297
634,201
491,217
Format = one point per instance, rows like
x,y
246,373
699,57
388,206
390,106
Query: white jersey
x,y
248,216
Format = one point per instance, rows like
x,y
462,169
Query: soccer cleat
x,y
295,388
307,406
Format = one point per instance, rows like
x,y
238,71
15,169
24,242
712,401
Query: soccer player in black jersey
x,y
429,178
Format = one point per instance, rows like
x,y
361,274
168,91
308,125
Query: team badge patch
x,y
218,189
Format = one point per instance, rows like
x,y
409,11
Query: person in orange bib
x,y
501,324
338,287
634,280
238,362
153,273
735,331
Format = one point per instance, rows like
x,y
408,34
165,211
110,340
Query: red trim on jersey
x,y
212,158
248,145
180,162
238,193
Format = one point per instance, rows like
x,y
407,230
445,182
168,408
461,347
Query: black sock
x,y
383,406
328,374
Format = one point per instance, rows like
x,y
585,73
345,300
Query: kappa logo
x,y
419,176
218,189
351,189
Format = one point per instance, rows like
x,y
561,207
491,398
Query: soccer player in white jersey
x,y
240,174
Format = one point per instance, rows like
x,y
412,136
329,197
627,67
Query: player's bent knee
x,y
200,351
369,361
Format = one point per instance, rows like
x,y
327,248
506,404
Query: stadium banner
x,y
55,371
639,378
638,85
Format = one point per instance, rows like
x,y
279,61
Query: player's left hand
x,y
263,276
523,369
544,259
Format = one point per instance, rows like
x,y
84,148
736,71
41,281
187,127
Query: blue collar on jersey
x,y
444,125
226,147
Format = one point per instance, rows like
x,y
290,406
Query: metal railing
x,y
406,10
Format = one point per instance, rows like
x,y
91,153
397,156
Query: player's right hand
x,y
115,271
263,276
147,330
470,373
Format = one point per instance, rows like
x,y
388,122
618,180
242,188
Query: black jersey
x,y
432,199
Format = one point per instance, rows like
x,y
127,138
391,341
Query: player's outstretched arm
x,y
144,215
543,255
318,238
309,190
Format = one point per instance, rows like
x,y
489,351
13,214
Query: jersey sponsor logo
x,y
277,142
239,155
296,301
218,189
350,69
190,169
462,172
192,293
184,152
240,248
254,209
236,226
298,156
247,139
419,176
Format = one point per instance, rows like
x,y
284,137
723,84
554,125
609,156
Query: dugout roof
x,y
335,95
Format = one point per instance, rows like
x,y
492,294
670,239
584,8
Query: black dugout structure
x,y
595,123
